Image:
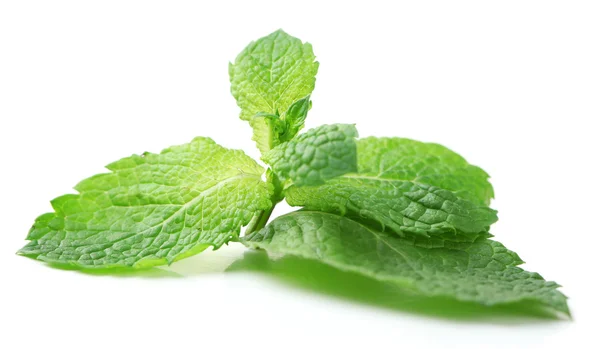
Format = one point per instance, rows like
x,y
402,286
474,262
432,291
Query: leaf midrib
x,y
375,234
184,206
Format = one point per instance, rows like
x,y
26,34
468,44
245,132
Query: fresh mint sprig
x,y
394,209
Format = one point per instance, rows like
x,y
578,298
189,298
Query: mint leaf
x,y
294,118
399,197
483,271
266,130
152,209
315,156
270,130
402,206
269,76
425,163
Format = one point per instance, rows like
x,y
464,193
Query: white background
x,y
513,86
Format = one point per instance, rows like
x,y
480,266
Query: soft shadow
x,y
124,272
208,262
327,280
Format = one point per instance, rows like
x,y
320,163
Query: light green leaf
x,y
425,163
484,271
294,118
271,74
395,188
270,130
315,156
267,129
152,209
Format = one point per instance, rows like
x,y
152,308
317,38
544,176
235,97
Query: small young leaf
x,y
270,75
426,163
484,271
266,131
315,156
270,130
152,209
294,118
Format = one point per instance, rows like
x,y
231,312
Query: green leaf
x,y
294,118
399,197
425,163
152,209
270,75
270,130
315,156
401,206
484,271
266,129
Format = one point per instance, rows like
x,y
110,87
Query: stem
x,y
259,221
261,218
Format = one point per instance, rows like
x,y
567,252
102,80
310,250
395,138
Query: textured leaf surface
x,y
152,209
266,131
425,163
483,272
270,75
401,206
317,155
396,198
294,118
